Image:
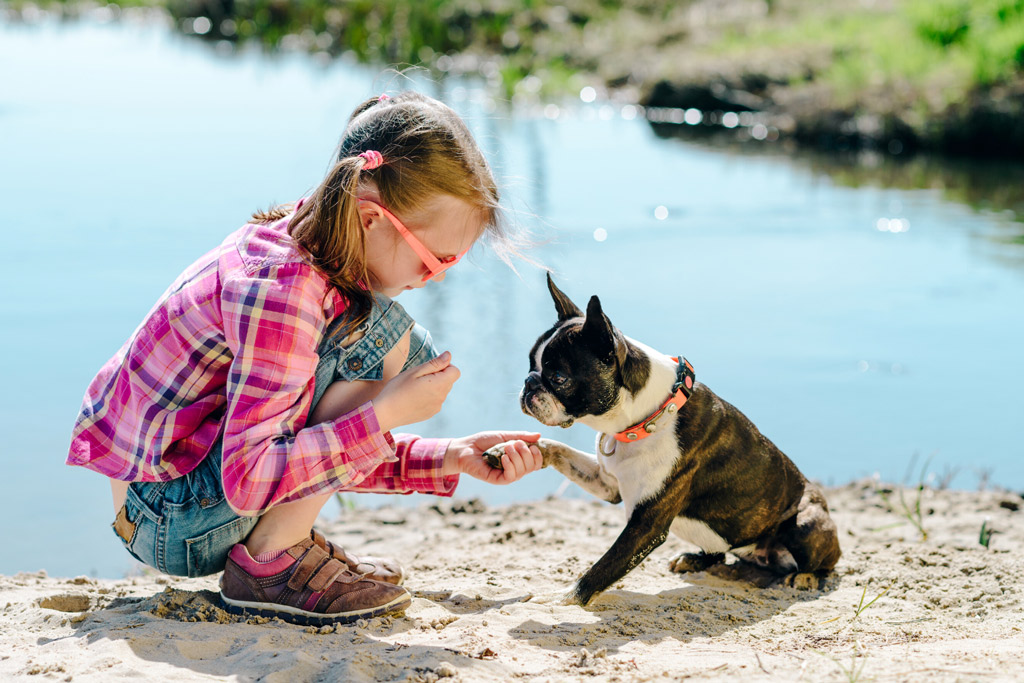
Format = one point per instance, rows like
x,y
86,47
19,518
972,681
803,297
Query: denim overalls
x,y
185,526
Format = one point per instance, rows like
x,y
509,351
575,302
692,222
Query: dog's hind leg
x,y
581,468
811,537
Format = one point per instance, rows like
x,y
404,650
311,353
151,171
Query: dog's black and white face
x,y
581,366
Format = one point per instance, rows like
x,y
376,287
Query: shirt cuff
x,y
423,466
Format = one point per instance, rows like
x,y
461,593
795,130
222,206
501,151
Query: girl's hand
x,y
521,457
416,394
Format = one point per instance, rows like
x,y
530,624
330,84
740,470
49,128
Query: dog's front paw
x,y
549,450
551,598
802,581
694,562
493,456
571,598
556,598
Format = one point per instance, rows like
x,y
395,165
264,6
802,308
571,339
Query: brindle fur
x,y
725,473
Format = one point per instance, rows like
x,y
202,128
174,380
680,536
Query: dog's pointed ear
x,y
598,331
563,304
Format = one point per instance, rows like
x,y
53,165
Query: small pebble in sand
x,y
66,602
586,658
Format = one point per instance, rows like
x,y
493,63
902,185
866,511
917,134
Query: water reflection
x,y
895,225
992,187
985,185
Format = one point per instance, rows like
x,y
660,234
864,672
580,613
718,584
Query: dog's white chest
x,y
641,468
699,534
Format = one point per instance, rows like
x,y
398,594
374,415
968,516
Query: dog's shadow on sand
x,y
711,603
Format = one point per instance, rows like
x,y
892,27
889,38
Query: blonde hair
x,y
427,151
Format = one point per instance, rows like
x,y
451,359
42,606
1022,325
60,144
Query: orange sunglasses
x,y
434,265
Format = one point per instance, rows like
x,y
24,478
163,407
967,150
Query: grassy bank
x,y
897,75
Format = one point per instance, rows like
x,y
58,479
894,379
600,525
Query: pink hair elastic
x,y
373,159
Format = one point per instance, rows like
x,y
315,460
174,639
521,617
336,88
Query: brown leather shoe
x,y
314,589
376,568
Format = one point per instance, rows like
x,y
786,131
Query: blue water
x,y
127,151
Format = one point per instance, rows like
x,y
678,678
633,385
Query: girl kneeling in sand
x,y
218,423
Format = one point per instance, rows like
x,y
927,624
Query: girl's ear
x,y
370,214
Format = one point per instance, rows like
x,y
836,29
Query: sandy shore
x,y
950,609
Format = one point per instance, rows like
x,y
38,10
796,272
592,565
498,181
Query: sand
x,y
950,609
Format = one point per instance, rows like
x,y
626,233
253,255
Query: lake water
x,y
860,325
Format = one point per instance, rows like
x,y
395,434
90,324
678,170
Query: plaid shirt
x,y
231,348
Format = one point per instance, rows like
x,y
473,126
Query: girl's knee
x,y
345,396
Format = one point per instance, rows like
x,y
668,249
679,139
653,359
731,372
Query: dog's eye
x,y
558,378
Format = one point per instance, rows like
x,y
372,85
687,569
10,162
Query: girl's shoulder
x,y
264,246
265,256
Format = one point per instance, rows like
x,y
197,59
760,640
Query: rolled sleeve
x,y
418,468
367,443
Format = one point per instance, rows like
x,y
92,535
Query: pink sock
x,y
264,564
269,556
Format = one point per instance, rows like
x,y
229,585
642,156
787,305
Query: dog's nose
x,y
533,381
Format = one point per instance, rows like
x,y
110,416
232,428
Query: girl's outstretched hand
x,y
521,457
416,394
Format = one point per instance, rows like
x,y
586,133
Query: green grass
x,y
911,511
943,48
985,536
861,607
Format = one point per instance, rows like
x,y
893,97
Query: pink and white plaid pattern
x,y
232,346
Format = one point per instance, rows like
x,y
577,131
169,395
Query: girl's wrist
x,y
383,415
452,457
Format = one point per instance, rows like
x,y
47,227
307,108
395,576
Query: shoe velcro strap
x,y
307,566
336,551
326,575
299,548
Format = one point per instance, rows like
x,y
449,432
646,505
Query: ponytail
x,y
327,227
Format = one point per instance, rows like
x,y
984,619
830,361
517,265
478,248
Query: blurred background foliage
x,y
946,75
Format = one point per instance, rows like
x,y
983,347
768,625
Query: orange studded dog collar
x,y
681,390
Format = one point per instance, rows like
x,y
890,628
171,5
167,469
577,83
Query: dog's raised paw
x,y
493,456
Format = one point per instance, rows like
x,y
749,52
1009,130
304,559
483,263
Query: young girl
x,y
272,371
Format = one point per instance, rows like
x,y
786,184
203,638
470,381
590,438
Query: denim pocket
x,y
207,554
144,527
364,358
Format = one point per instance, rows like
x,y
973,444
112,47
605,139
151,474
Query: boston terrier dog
x,y
678,457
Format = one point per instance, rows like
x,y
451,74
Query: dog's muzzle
x,y
530,387
536,401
